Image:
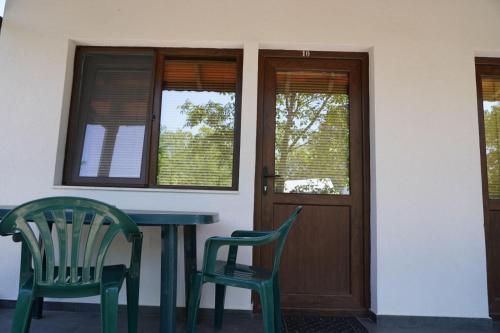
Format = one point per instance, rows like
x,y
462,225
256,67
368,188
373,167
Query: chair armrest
x,y
250,233
240,241
233,249
213,244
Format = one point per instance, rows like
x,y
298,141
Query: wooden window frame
x,y
487,66
148,177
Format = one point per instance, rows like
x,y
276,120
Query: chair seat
x,y
241,272
112,277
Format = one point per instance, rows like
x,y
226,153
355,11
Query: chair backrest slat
x,y
59,212
78,219
59,216
48,246
103,249
90,246
30,239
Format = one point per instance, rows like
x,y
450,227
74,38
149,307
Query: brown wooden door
x,y
488,92
313,151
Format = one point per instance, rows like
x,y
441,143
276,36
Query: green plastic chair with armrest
x,y
229,273
72,275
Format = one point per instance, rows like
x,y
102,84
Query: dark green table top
x,y
157,218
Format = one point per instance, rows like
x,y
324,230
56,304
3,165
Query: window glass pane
x,y
312,132
92,147
127,153
491,107
114,107
197,123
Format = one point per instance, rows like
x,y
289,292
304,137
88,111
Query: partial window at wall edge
x,y
488,91
150,117
488,104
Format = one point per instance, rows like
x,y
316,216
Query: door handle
x,y
265,176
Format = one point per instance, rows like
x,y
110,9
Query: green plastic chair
x,y
229,273
66,278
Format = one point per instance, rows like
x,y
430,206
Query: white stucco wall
x,y
428,255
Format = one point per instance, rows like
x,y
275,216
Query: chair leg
x,y
267,302
220,295
132,303
22,316
194,302
109,310
37,310
278,320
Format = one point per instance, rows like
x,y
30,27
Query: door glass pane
x,y
491,107
312,132
196,146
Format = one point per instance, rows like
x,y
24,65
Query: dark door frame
x,y
487,66
362,57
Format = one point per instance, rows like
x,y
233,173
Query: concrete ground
x,y
84,322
